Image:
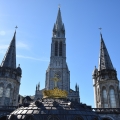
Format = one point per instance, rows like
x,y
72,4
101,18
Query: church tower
x,y
58,65
10,77
105,81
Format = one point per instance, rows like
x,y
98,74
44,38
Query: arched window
x,y
1,90
7,92
60,48
56,48
7,95
104,95
112,98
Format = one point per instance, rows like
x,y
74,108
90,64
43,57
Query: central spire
x,y
59,20
58,29
10,56
104,58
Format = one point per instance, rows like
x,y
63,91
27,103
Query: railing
x,y
106,110
8,107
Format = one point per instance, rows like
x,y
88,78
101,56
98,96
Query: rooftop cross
x,y
16,27
59,6
100,29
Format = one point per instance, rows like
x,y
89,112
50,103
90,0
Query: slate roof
x,y
9,59
104,58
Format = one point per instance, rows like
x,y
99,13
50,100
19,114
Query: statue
x,y
56,79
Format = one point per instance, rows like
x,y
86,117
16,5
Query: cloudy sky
x,y
82,18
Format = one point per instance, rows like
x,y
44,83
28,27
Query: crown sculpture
x,y
55,92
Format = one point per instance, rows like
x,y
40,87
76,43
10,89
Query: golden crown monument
x,y
56,92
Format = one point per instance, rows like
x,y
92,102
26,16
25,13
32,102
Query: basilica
x,y
57,101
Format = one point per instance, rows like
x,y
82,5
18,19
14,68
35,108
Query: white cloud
x,y
32,58
19,45
2,33
22,45
2,47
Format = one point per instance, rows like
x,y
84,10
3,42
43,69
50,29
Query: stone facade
x,y
58,65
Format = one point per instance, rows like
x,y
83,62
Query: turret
x,y
105,80
10,76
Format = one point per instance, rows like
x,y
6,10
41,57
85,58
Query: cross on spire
x,y
59,6
16,27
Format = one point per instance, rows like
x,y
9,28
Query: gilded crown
x,y
55,93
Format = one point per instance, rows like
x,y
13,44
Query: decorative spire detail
x,y
39,86
59,20
76,87
36,87
9,59
104,58
59,29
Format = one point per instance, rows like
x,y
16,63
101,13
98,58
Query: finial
x,y
39,86
18,65
16,27
36,87
59,6
78,88
100,29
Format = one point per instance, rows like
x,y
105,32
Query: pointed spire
x,y
59,20
59,29
76,87
54,28
39,86
10,56
104,58
36,87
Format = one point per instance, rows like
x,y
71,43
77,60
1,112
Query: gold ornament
x,y
55,93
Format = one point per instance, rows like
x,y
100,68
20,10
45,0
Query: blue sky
x,y
82,18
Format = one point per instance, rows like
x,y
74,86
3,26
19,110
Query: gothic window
x,y
8,89
104,95
112,98
1,90
7,92
60,48
56,48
